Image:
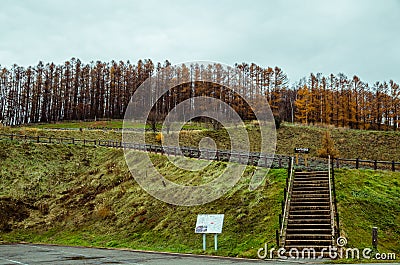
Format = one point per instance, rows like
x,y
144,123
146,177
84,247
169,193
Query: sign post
x,y
209,224
301,150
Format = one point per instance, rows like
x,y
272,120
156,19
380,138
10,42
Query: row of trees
x,y
73,91
346,102
78,91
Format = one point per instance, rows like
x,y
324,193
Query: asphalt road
x,y
22,254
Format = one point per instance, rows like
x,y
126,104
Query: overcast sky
x,y
353,37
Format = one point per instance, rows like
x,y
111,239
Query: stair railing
x,y
287,201
331,201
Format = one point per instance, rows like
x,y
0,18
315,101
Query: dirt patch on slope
x,y
11,211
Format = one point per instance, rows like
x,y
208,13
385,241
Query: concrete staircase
x,y
309,215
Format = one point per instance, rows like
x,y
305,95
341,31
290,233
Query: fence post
x,y
280,220
289,166
38,139
375,237
393,166
12,137
284,193
277,237
375,165
337,225
280,162
357,163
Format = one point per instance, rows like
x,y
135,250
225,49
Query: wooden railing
x,y
252,158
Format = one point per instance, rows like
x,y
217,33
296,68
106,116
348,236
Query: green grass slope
x,y
86,196
366,199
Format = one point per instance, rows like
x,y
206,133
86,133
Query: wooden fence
x,y
252,158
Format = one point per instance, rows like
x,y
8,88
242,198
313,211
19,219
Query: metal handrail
x,y
331,201
287,201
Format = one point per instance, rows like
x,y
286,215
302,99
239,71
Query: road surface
x,y
22,254
27,254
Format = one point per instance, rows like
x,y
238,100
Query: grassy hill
x,y
86,196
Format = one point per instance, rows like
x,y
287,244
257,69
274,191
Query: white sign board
x,y
209,223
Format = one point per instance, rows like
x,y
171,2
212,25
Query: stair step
x,y
311,172
310,193
310,204
311,189
314,199
302,191
306,242
310,237
309,226
318,255
309,212
309,216
308,207
310,221
317,248
308,187
311,181
310,176
309,200
309,196
294,209
309,231
322,175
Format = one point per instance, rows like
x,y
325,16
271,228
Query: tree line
x,y
97,90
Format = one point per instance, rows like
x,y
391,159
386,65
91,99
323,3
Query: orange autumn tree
x,y
303,105
328,147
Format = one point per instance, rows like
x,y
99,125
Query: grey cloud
x,y
353,37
